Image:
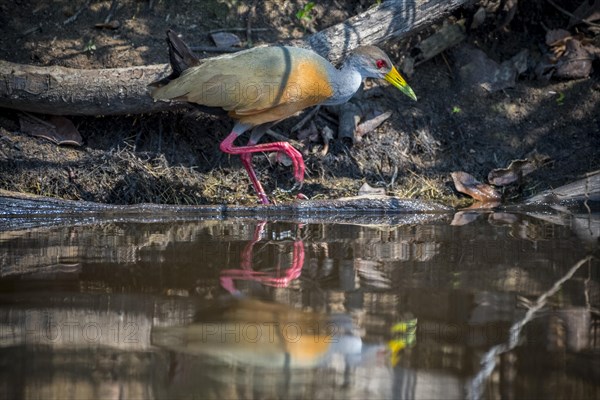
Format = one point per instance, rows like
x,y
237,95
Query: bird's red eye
x,y
381,64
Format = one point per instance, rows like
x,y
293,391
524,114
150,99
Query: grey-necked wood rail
x,y
264,85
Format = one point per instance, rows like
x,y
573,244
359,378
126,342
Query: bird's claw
x,y
296,186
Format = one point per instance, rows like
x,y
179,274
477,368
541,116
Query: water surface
x,y
483,305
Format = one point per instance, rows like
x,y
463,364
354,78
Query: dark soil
x,y
175,158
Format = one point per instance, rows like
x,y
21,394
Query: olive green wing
x,y
251,82
233,83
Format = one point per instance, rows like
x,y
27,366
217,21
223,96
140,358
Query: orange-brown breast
x,y
308,85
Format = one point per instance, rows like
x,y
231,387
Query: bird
x,y
261,86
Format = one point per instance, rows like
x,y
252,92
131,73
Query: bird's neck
x,y
345,82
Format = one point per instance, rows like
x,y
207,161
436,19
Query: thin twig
x,y
73,17
587,207
591,173
329,118
283,138
111,11
237,30
249,26
562,10
32,30
210,49
509,15
447,65
394,176
306,118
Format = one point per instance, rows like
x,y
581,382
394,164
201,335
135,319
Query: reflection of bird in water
x,y
244,345
244,331
264,85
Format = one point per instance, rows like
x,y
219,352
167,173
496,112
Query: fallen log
x,y
582,190
26,211
67,91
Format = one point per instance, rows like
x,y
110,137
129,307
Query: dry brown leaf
x,y
516,170
66,131
571,56
466,183
503,176
367,189
225,39
59,130
576,62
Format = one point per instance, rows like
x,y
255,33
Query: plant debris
x,y
516,170
570,57
368,190
56,129
371,124
467,184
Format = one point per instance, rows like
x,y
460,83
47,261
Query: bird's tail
x,y
180,57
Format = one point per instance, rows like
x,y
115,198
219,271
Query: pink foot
x,y
246,152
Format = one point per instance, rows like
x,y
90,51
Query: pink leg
x,y
247,163
245,153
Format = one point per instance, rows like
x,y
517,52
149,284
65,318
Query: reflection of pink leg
x,y
294,272
246,272
246,262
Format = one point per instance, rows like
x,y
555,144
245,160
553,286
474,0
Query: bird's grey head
x,y
371,62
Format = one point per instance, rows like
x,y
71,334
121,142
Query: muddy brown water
x,y
504,306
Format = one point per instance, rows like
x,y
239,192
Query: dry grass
x,y
124,175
